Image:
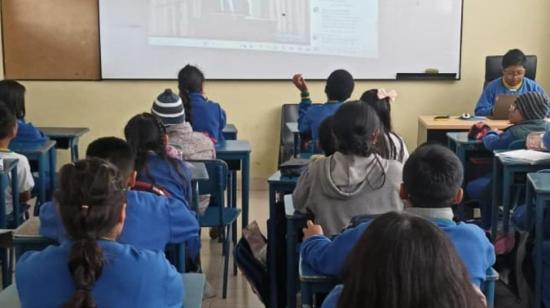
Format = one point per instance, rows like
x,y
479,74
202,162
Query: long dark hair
x,y
190,79
356,126
13,94
386,147
404,261
145,133
90,196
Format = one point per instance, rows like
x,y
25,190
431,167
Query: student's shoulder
x,y
493,85
131,256
30,261
471,233
531,84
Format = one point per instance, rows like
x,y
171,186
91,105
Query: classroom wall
x,y
489,27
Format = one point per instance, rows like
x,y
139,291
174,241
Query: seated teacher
x,y
512,82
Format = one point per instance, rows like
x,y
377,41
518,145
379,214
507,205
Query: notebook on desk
x,y
502,105
526,156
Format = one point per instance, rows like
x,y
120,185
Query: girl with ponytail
x,y
147,137
92,269
355,180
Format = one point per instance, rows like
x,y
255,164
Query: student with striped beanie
x,y
168,107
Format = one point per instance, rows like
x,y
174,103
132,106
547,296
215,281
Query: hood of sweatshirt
x,y
347,175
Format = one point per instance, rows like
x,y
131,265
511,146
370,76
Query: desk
x,y
230,132
66,137
282,184
431,130
503,177
538,186
461,145
44,153
238,150
293,128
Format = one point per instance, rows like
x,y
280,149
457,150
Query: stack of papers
x,y
526,156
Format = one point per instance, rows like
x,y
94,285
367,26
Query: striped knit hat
x,y
532,105
168,107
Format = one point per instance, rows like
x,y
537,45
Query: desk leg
x,y
74,149
507,180
496,197
3,219
529,193
52,164
245,188
539,216
291,266
271,250
15,197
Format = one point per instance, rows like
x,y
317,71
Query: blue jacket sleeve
x,y
50,223
184,226
304,125
328,257
485,103
331,301
493,141
173,287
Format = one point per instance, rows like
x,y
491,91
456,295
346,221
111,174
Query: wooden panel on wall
x,y
51,39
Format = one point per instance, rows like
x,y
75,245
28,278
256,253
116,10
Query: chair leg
x,y
226,245
234,233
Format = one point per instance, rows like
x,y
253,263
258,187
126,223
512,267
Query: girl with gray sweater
x,y
353,181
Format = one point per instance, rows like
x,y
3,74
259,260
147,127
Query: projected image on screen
x,y
324,27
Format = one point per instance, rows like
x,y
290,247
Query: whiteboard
x,y
273,39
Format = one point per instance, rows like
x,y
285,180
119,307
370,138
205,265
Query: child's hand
x,y
299,82
312,229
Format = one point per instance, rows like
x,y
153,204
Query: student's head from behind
x,y
190,79
326,142
380,105
339,85
168,107
116,151
356,127
12,93
404,261
92,204
528,106
8,123
432,177
145,133
513,67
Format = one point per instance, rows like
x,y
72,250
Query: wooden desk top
x,y
454,122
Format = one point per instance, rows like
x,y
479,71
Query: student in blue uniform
x,y
12,93
152,221
204,115
147,137
512,82
432,179
338,88
92,269
404,261
527,115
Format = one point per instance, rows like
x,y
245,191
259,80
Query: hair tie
x,y
84,207
382,94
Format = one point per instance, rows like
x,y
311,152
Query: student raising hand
x,y
300,83
312,229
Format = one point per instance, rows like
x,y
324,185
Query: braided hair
x,y
91,196
190,79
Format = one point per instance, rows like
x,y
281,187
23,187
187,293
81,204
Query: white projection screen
x,y
273,39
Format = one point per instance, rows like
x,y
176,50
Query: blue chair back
x,y
217,183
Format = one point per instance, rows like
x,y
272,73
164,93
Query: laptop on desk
x,y
502,105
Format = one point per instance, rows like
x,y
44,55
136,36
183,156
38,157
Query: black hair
x,y
386,147
190,79
432,176
404,261
12,93
145,133
90,197
513,57
115,150
356,127
327,143
7,121
339,85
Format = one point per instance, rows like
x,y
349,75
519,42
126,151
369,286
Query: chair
x,y
488,286
218,215
493,68
289,113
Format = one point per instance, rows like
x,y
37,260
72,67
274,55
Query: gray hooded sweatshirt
x,y
339,187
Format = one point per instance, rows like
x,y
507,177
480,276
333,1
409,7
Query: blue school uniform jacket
x,y
176,179
207,116
151,222
496,87
311,115
130,278
328,256
26,132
